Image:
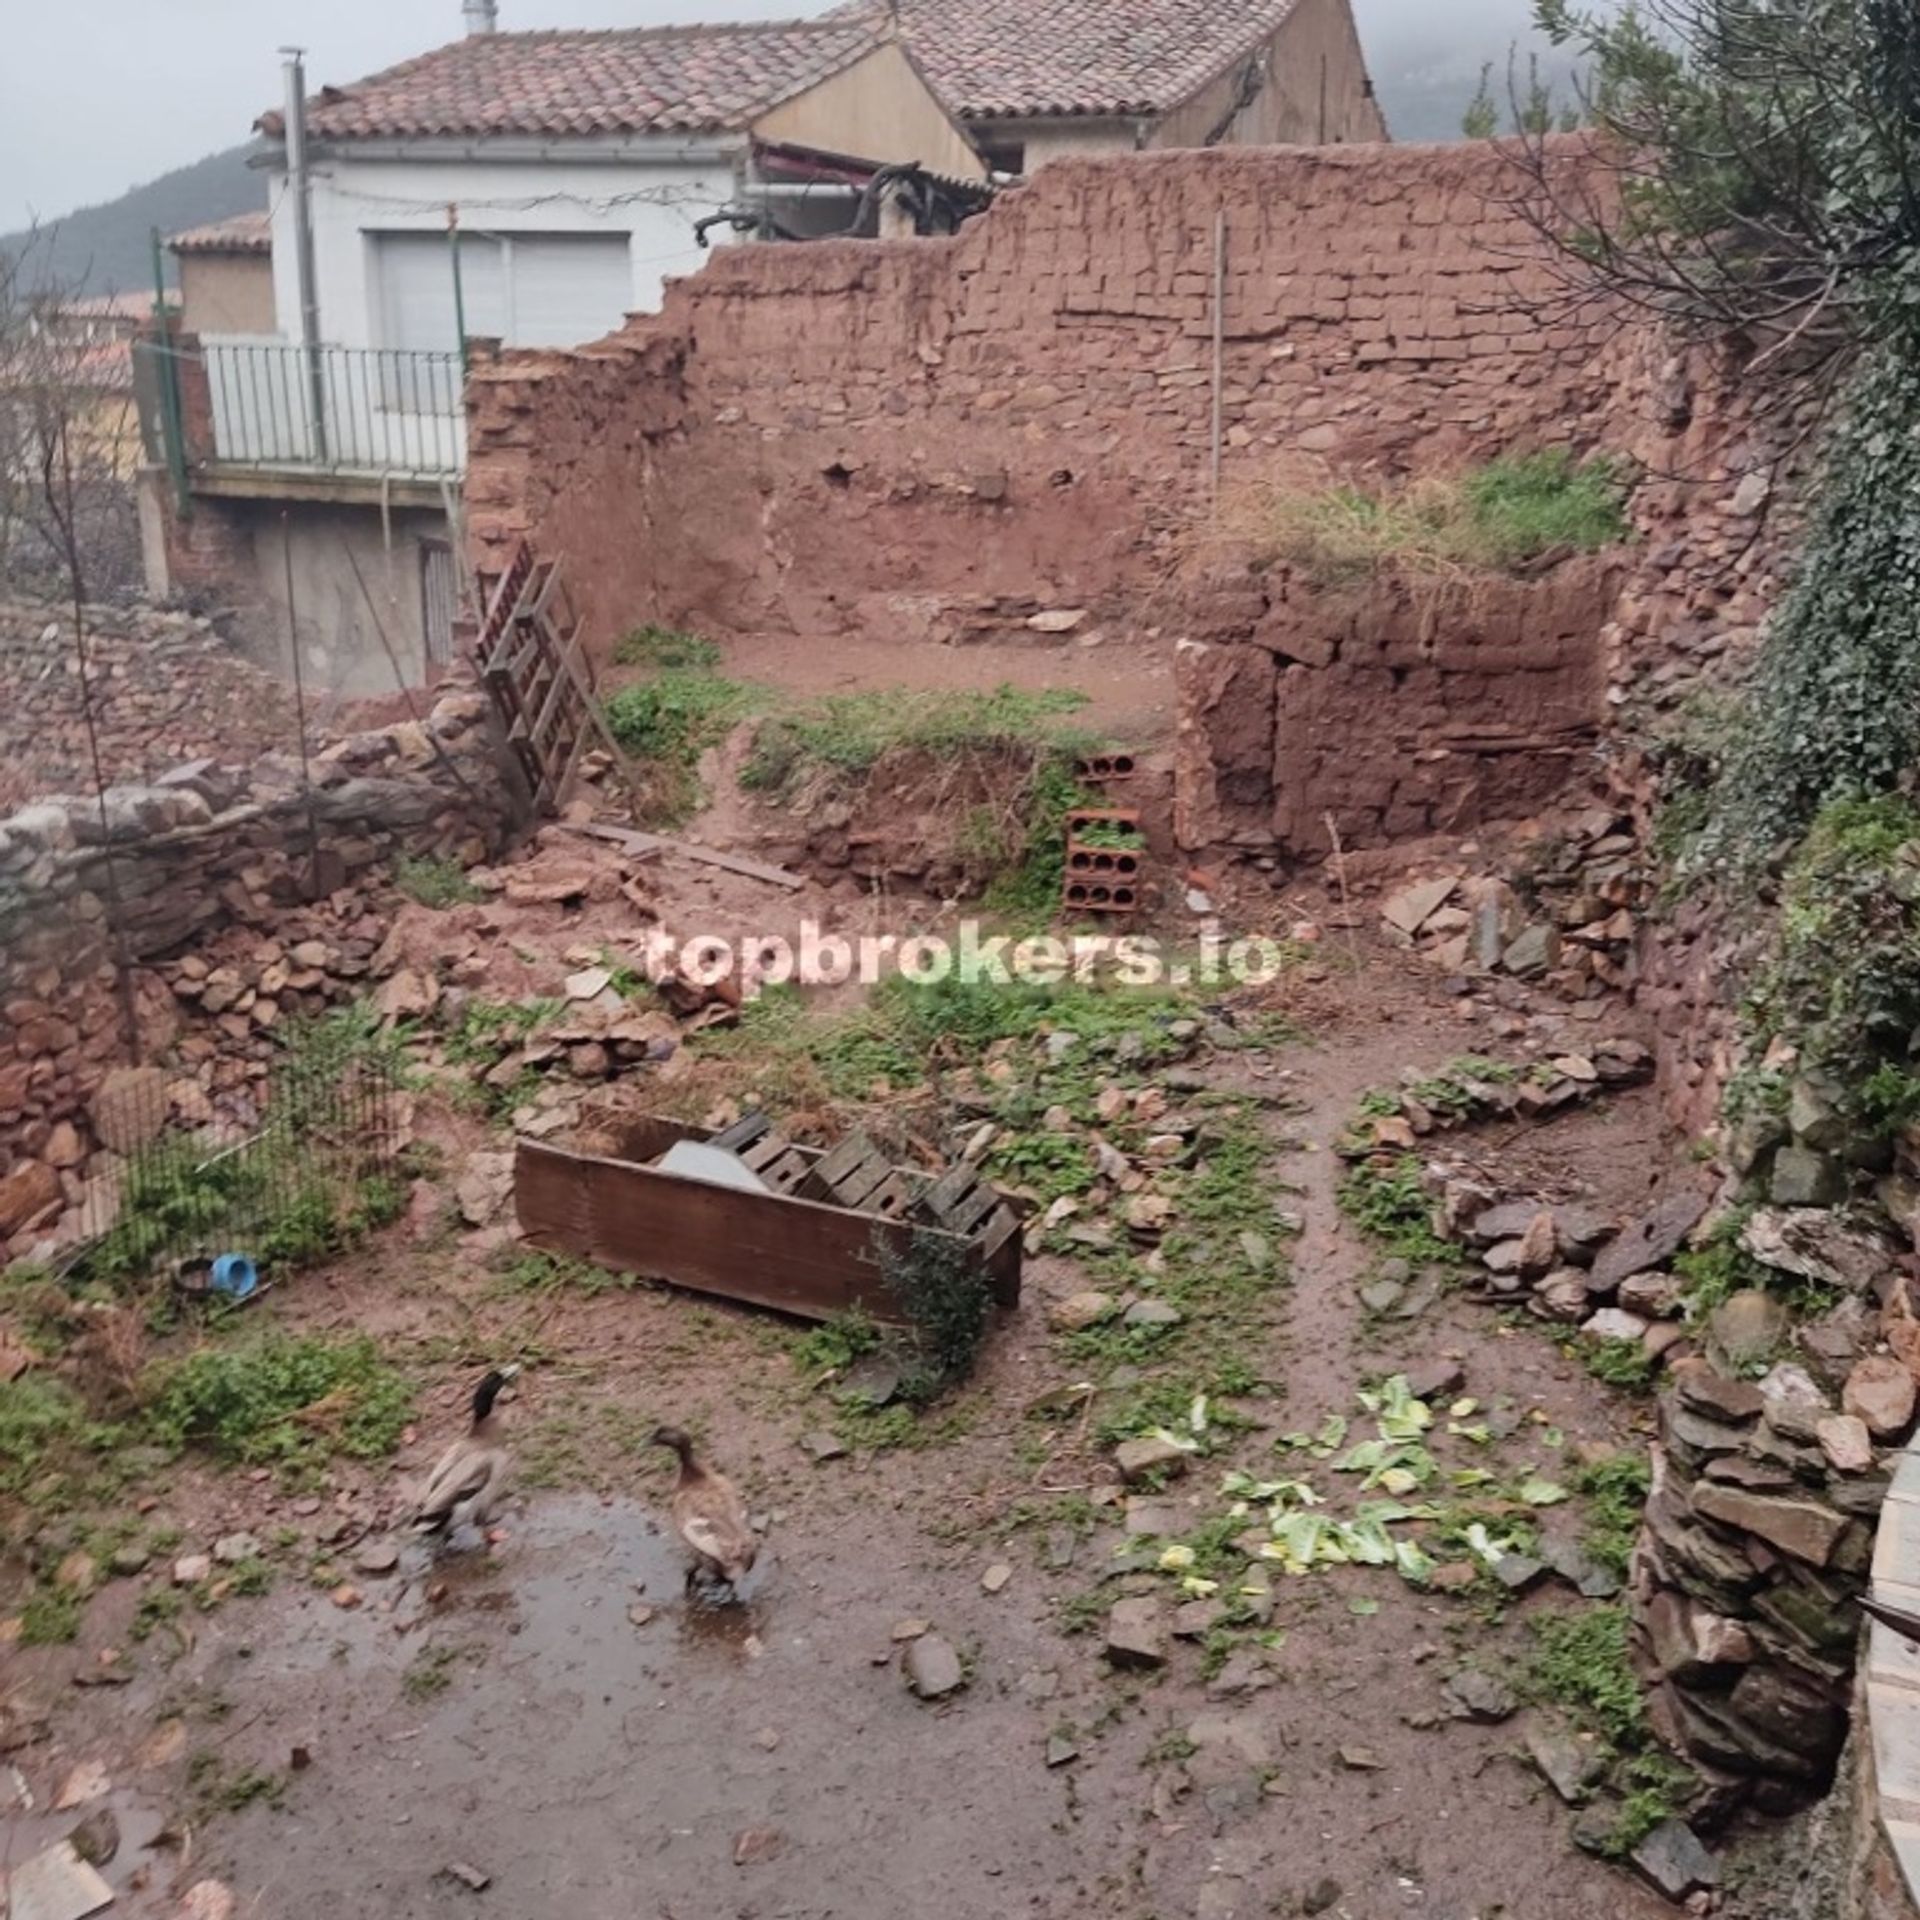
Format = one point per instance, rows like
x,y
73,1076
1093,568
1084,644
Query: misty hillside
x,y
107,248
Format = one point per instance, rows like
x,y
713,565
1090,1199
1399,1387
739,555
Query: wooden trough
x,y
785,1249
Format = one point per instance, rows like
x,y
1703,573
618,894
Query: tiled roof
x,y
652,80
244,233
992,59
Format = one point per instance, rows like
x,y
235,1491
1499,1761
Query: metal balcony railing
x,y
373,410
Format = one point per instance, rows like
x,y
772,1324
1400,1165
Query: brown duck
x,y
708,1514
466,1483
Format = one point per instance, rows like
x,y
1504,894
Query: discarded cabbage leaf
x,y
1465,1477
1537,1492
1172,1439
1414,1562
1400,1415
1176,1559
1197,1413
1463,1409
1200,1589
1479,1435
1363,1607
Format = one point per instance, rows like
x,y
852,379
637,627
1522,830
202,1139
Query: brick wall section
x,y
166,688
812,437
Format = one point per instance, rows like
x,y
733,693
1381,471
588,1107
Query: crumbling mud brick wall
x,y
204,847
1394,710
904,437
166,687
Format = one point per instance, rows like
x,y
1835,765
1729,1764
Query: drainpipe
x,y
299,183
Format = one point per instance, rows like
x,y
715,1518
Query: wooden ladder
x,y
530,660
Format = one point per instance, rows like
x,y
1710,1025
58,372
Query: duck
x,y
466,1483
708,1514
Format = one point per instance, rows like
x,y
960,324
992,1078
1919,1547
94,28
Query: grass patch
x,y
532,1270
1580,1663
668,720
1620,1364
434,882
664,648
1387,1200
1511,513
51,1617
43,1422
1616,1491
283,1401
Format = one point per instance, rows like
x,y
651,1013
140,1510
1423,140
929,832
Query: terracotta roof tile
x,y
992,59
651,80
243,233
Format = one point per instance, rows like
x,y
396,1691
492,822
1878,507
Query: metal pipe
x,y
172,431
300,182
459,291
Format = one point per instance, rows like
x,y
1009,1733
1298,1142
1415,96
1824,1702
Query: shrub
x,y
947,1304
434,882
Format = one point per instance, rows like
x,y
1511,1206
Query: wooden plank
x,y
842,1159
786,1173
637,842
891,1198
945,1193
743,1133
966,1217
766,1149
853,1189
764,1249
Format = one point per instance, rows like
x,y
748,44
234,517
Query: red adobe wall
x,y
900,435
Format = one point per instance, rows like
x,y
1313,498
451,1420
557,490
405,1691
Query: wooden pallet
x,y
962,1201
531,662
856,1174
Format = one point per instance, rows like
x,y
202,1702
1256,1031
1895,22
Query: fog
x,y
98,96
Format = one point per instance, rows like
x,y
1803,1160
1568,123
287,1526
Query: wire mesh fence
x,y
220,1214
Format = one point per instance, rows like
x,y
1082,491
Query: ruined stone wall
x,y
206,847
166,687
1398,709
888,436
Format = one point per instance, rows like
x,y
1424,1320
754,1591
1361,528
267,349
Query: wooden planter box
x,y
767,1249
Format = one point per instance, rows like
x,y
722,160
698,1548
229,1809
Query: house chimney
x,y
482,16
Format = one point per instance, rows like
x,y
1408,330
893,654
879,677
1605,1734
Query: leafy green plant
x,y
1617,1363
947,1303
1615,1490
1581,1663
836,1344
1841,983
283,1400
670,719
434,882
1387,1199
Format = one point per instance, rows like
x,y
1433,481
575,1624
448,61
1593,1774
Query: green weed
x,y
665,647
1616,1492
1388,1201
434,882
283,1401
51,1616
669,720
1490,519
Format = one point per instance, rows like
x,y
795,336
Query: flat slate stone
x,y
1672,1857
1651,1241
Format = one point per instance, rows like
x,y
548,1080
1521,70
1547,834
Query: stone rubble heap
x,y
262,877
1570,923
166,687
1771,1466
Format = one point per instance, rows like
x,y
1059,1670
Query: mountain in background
x,y
108,248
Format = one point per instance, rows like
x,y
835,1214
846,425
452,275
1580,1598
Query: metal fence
x,y
318,1166
337,409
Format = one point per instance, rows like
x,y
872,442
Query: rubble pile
x,y
1772,1462
165,687
1569,923
226,859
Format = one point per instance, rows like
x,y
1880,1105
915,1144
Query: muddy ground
x,y
520,1722
380,1733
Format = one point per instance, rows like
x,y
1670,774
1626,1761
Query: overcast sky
x,y
99,95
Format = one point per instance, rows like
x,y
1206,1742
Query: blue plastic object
x,y
235,1276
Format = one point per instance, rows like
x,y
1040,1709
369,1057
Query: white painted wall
x,y
653,197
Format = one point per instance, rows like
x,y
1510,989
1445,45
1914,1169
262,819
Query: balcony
x,y
268,417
